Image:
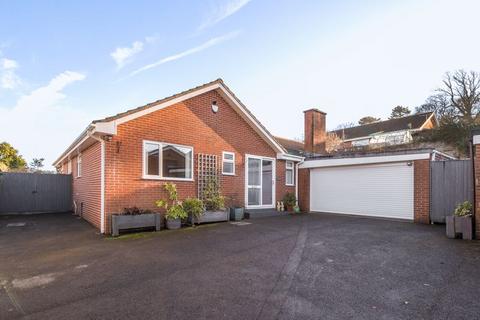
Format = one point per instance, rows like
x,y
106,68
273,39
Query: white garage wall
x,y
380,190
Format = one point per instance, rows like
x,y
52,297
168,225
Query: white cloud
x,y
222,11
124,55
8,77
210,43
39,125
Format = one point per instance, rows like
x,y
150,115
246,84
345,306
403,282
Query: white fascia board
x,y
75,147
106,128
165,104
444,155
362,160
289,157
476,139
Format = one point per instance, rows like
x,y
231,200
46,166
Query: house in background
x,y
381,134
389,132
124,160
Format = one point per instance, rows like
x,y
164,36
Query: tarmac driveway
x,y
296,267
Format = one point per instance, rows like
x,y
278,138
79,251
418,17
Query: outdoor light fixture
x,y
409,163
214,107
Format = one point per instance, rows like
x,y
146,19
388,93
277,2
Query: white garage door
x,y
380,190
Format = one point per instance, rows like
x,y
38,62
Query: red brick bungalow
x,y
124,160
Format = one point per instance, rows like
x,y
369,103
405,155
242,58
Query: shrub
x,y
289,199
463,209
213,200
134,211
173,207
176,211
193,206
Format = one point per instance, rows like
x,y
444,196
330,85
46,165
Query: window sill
x,y
167,179
228,174
289,185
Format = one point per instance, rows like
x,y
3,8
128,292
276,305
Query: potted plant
x,y
290,201
194,208
214,204
237,212
174,209
134,218
461,222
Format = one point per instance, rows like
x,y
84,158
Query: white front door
x,y
260,182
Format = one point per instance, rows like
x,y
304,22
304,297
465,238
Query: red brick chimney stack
x,y
315,131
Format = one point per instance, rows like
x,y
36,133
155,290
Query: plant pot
x,y
124,222
459,225
450,227
236,213
173,224
212,216
289,208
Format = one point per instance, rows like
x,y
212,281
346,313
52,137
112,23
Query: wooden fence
x,y
451,184
35,193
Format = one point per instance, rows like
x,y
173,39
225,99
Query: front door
x,y
260,181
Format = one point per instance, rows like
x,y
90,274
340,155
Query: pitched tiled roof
x,y
293,147
409,122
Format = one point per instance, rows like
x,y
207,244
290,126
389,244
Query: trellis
x,y
207,171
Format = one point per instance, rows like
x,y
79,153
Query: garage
x,y
393,186
381,190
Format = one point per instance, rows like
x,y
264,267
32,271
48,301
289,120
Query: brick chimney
x,y
315,131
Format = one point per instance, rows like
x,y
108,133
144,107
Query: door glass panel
x,y
267,177
254,196
254,172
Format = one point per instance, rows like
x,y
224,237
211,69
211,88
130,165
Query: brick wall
x,y
304,189
421,177
190,123
86,189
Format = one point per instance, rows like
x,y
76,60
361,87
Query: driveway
x,y
304,267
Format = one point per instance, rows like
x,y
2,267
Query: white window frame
x,y
232,161
79,165
69,166
292,168
160,158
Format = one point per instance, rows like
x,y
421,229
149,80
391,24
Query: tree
x,y
333,142
458,99
367,120
10,158
399,112
36,164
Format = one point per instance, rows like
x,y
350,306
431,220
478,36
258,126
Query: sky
x,y
66,63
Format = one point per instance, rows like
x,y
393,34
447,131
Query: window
x,y
228,163
79,166
69,167
167,161
289,174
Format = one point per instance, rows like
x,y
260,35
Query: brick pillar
x,y
315,131
304,189
421,198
